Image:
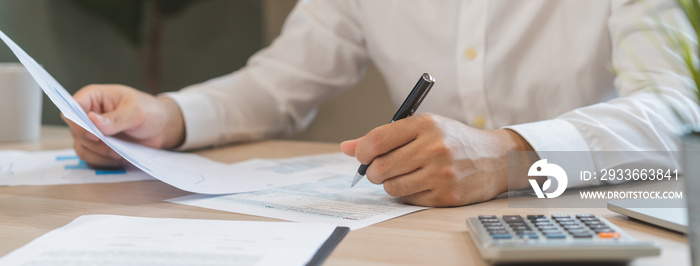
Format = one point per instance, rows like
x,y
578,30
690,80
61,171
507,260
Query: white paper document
x,y
329,200
318,165
18,168
123,240
189,172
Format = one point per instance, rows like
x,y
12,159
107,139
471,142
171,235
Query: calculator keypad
x,y
494,226
558,226
554,238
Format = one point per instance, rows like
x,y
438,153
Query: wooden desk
x,y
431,237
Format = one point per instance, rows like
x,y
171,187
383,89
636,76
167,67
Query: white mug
x,y
20,104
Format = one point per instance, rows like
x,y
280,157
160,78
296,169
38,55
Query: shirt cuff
x,y
199,117
550,138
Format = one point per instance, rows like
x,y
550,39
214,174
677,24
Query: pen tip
x,y
356,179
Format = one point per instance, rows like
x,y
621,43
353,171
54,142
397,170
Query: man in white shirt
x,y
512,76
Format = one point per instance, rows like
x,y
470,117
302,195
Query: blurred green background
x,y
82,42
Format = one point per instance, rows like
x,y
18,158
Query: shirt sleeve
x,y
319,53
651,84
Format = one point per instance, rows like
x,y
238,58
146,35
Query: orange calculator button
x,y
609,235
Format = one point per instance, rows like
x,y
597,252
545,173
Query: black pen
x,y
407,109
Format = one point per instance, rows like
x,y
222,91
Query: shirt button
x,y
479,122
470,53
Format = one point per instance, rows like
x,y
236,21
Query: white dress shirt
x,y
538,67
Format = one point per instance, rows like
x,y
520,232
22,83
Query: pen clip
x,y
428,78
418,93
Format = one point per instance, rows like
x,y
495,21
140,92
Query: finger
x,y
348,146
108,108
96,98
98,147
398,162
119,120
408,184
77,131
95,160
80,134
153,142
387,138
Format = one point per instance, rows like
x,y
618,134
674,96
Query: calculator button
x,y
599,226
572,227
535,216
562,218
501,236
491,224
547,225
605,230
518,224
588,219
566,220
585,216
578,232
548,228
538,224
541,219
555,236
481,217
520,230
494,225
489,220
555,216
498,232
552,232
569,223
609,235
582,235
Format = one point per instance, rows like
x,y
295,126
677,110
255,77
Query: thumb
x,y
348,146
114,122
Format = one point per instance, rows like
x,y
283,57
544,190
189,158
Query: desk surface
x,y
430,237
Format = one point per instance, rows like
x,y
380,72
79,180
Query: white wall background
x,y
351,114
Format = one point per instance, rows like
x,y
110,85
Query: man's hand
x,y
128,114
431,160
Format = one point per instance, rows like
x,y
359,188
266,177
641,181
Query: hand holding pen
x,y
409,106
432,160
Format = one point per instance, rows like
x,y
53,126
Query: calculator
x,y
560,237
